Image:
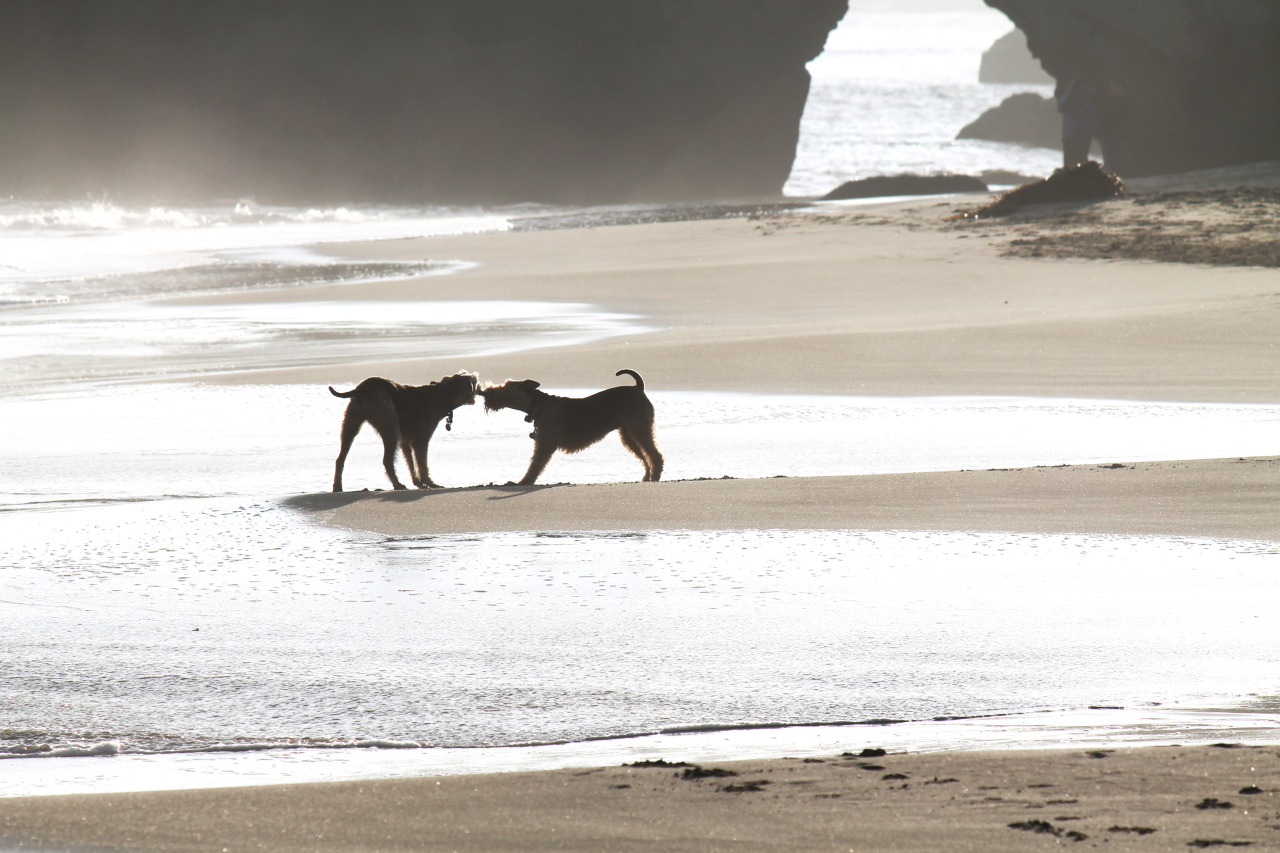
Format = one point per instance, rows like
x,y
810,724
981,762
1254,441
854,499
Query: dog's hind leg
x,y
650,453
542,454
629,442
350,427
390,439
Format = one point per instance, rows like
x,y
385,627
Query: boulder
x,y
893,185
1025,119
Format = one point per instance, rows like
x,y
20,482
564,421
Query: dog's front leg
x,y
420,446
542,453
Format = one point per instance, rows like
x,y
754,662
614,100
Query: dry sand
x,y
885,299
1157,798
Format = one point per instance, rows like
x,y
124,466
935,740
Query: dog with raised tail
x,y
572,424
405,416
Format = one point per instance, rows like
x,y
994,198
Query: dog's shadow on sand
x,y
321,501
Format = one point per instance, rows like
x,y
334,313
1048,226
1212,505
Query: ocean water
x,y
890,92
170,622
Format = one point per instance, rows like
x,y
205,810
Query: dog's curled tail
x,y
634,375
340,394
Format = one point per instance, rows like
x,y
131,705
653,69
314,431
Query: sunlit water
x,y
143,442
216,626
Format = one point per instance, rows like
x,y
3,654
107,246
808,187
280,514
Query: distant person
x,y
1077,103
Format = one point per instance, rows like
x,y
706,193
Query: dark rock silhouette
x,y
1009,61
1184,84
469,101
892,185
993,177
1025,118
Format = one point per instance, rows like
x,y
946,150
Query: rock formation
x,y
1009,61
1024,118
895,185
1188,84
426,101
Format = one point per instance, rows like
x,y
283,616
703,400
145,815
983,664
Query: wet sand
x,y
1225,498
882,300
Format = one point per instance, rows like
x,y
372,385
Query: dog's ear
x,y
532,384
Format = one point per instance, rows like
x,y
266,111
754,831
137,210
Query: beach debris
x,y
1250,789
1099,753
891,776
1136,830
744,787
947,781
696,772
869,752
1218,842
881,186
1213,803
1088,181
1043,826
658,762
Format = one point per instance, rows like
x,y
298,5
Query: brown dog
x,y
406,415
572,424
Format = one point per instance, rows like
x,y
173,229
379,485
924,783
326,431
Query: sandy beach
x,y
883,299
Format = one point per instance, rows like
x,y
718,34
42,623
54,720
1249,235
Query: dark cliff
x,y
1188,84
442,101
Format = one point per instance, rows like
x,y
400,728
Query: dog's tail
x,y
340,394
636,376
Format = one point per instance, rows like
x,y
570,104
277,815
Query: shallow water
x,y
215,624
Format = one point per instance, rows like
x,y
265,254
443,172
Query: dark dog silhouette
x,y
572,424
404,415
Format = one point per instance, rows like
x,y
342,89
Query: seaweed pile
x,y
1088,181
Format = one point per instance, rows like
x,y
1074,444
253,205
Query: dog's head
x,y
459,389
512,394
